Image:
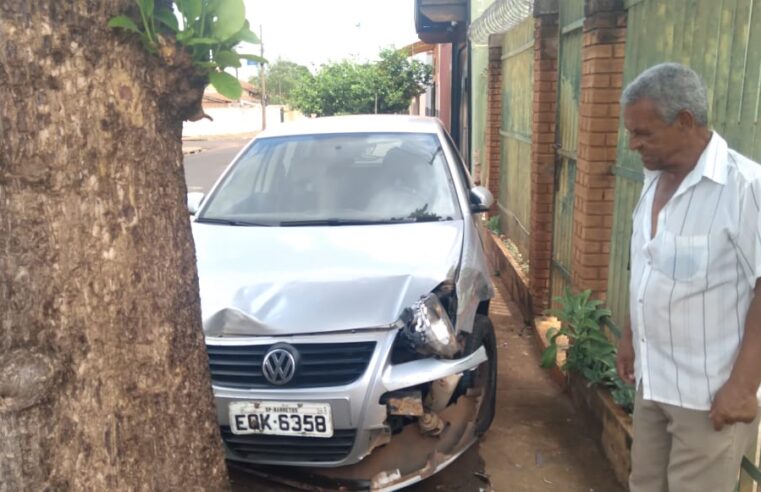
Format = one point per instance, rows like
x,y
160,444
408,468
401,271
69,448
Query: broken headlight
x,y
428,328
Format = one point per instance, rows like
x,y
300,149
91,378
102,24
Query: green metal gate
x,y
721,40
569,90
514,199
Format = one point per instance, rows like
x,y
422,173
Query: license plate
x,y
281,418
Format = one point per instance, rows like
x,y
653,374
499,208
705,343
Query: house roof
x,y
417,47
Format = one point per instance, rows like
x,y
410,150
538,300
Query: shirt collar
x,y
711,164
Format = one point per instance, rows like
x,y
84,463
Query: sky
x,y
313,32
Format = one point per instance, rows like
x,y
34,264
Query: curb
x,y
191,150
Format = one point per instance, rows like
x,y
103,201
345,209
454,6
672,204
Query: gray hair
x,y
672,88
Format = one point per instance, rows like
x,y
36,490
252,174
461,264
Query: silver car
x,y
345,299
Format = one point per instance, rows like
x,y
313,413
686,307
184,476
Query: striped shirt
x,y
692,284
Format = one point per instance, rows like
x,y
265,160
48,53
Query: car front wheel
x,y
485,376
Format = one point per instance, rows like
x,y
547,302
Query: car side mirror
x,y
194,200
481,199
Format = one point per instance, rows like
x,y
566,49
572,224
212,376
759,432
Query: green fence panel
x,y
569,91
514,201
721,40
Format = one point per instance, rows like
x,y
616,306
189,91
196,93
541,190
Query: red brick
x,y
590,194
600,208
601,181
595,259
597,51
546,65
600,124
594,153
607,35
603,65
617,81
596,80
597,139
599,95
588,220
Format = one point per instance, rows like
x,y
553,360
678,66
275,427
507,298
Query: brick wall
x,y
601,81
543,155
494,121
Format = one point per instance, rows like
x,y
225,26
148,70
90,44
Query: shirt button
x,y
641,301
649,263
642,340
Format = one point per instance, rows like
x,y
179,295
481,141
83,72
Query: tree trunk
x,y
104,379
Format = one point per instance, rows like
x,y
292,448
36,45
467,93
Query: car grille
x,y
259,447
321,364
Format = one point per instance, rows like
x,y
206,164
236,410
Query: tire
x,y
486,374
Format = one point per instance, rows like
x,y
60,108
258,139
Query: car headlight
x,y
429,329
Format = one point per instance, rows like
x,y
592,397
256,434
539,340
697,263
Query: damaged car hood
x,y
282,280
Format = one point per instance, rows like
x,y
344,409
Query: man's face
x,y
657,142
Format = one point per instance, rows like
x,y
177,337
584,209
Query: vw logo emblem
x,y
279,365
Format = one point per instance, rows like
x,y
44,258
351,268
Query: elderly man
x,y
693,346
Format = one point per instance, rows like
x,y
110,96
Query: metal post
x,y
263,80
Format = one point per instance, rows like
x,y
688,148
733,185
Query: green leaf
x,y
167,18
549,356
230,16
247,35
123,22
190,9
227,59
146,7
200,41
183,36
552,332
226,84
211,5
255,58
205,64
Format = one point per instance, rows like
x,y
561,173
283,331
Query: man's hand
x,y
625,358
732,404
736,401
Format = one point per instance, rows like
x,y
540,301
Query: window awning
x,y
500,17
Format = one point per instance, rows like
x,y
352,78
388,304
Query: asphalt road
x,y
209,159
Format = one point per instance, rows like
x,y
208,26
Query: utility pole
x,y
262,79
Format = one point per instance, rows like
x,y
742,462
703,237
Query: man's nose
x,y
634,143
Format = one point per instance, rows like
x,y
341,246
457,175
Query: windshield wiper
x,y
232,222
419,218
340,222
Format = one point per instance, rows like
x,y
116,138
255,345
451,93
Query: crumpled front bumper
x,y
358,406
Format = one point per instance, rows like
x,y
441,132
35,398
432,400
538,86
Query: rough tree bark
x,y
104,379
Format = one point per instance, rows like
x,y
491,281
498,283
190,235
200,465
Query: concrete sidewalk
x,y
537,441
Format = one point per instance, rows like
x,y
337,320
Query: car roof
x,y
372,123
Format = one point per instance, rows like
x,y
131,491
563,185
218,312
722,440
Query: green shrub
x,y
588,351
493,224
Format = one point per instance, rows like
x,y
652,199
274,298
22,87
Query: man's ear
x,y
686,120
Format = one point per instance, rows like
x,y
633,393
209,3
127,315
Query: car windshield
x,y
336,179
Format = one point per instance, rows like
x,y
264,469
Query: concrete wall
x,y
234,120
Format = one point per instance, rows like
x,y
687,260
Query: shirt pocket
x,y
682,258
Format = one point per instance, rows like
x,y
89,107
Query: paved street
x,y
537,442
208,160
